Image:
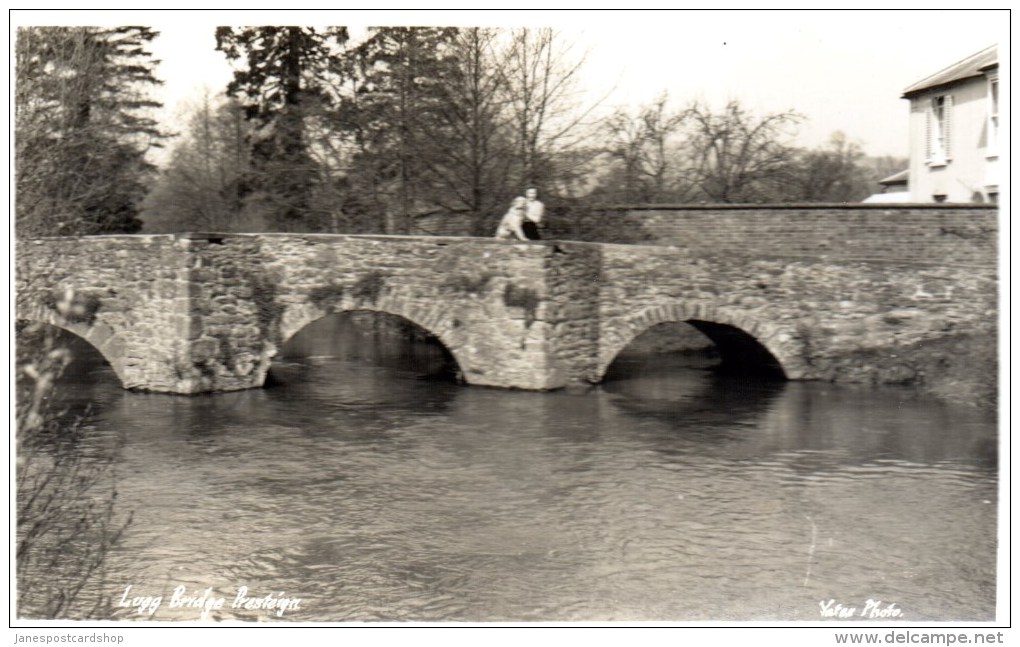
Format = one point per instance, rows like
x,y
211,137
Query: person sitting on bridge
x,y
534,211
510,225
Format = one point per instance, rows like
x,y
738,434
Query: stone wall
x,y
951,234
917,258
127,295
444,223
960,234
573,275
233,316
484,300
196,313
853,322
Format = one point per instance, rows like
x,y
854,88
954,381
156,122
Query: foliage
x,y
282,84
738,157
203,185
399,73
469,148
363,138
82,128
458,119
66,520
585,219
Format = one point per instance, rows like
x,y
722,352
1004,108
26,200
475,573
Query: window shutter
x,y
947,130
929,116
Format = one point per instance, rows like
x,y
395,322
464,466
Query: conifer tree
x,y
83,126
284,80
401,73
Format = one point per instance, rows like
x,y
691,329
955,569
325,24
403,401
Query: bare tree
x,y
626,144
832,174
202,186
645,144
737,157
543,98
469,149
659,127
66,520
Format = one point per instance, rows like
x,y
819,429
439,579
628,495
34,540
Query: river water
x,y
371,491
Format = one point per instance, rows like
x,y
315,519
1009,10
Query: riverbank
x,y
960,369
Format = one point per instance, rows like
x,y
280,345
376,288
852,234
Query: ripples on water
x,y
667,493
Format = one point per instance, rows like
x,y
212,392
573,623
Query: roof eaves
x,y
937,86
902,177
970,67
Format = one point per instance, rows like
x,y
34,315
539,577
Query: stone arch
x,y
99,335
779,341
434,319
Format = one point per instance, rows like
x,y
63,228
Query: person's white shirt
x,y
535,208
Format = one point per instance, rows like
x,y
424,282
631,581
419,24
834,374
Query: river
x,y
371,491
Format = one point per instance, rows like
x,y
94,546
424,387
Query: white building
x,y
954,132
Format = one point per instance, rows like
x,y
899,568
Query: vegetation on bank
x,y
67,521
959,369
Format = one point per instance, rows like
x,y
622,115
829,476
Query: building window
x,y
993,116
939,113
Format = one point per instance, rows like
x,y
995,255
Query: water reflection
x,y
695,405
668,493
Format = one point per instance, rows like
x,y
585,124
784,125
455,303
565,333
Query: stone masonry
x,y
939,234
201,313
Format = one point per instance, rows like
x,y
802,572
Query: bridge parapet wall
x,y
951,234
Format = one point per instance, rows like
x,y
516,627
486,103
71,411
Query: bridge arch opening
x,y
72,362
680,343
739,352
368,337
706,340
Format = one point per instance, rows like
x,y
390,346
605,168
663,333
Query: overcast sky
x,y
842,70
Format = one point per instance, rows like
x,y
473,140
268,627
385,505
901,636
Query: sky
x,y
842,70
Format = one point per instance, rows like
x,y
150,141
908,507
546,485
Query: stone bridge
x,y
196,313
